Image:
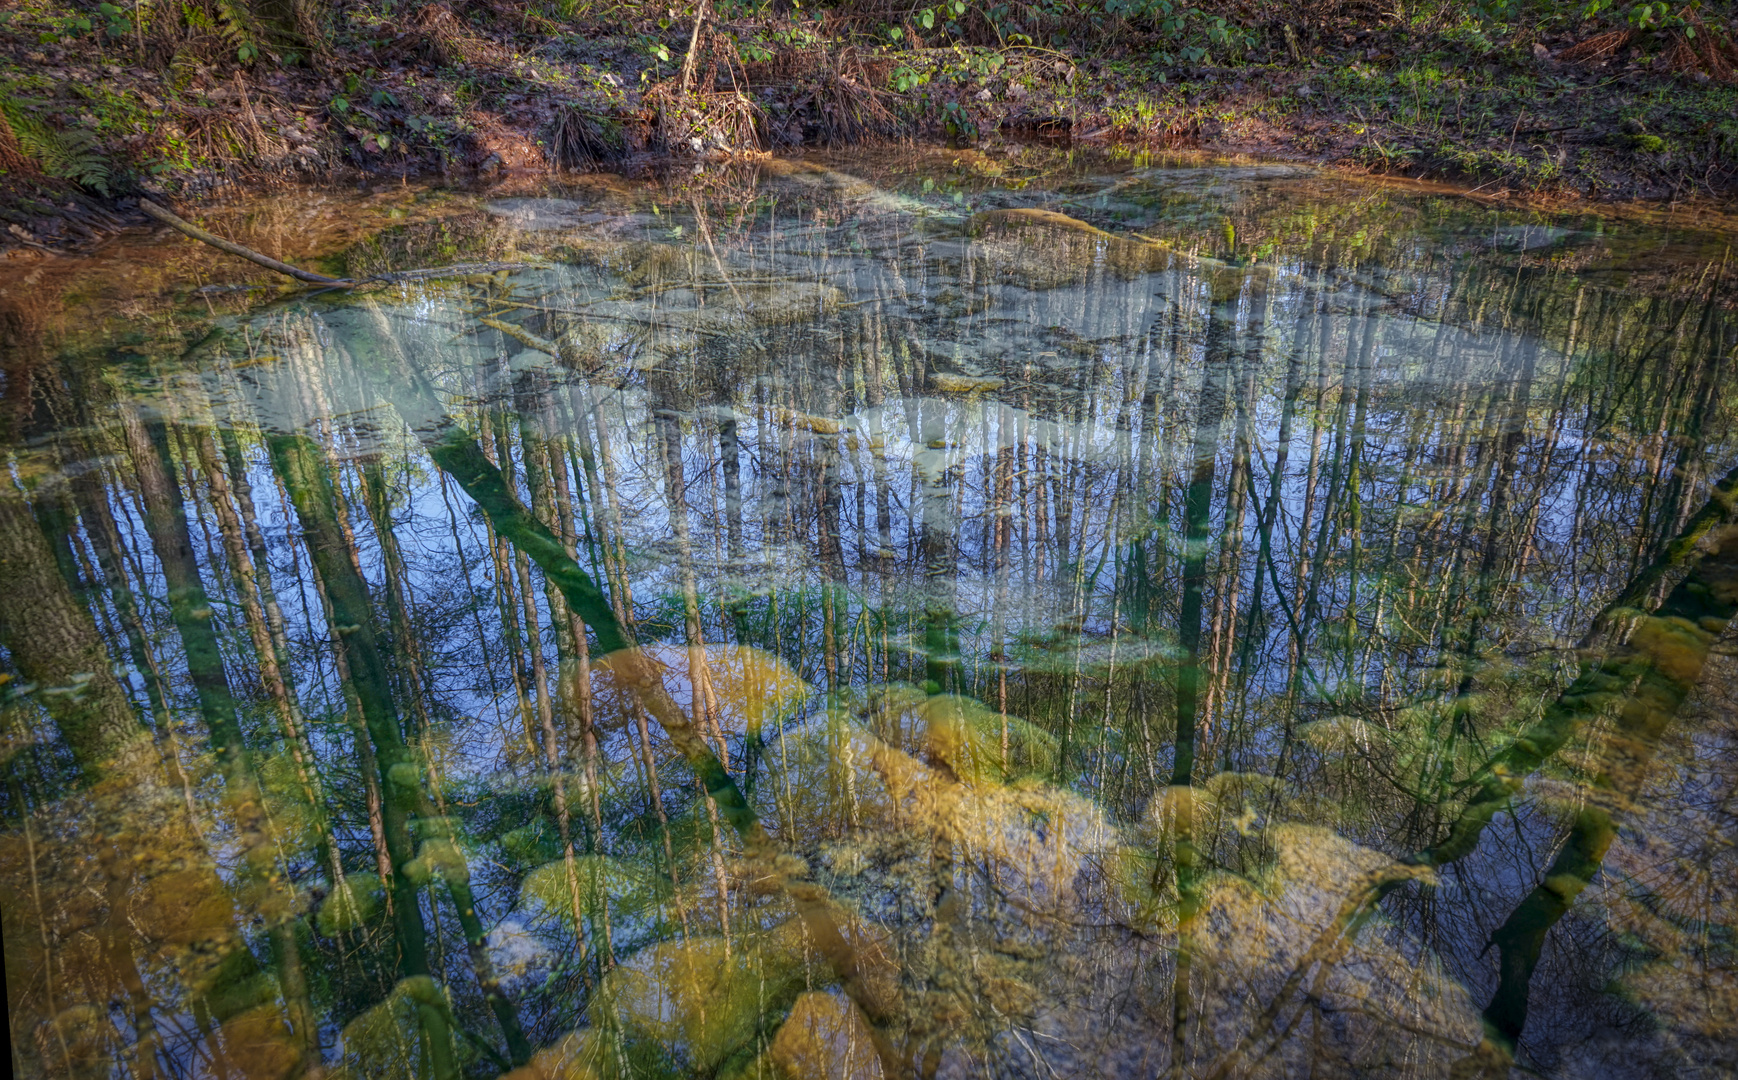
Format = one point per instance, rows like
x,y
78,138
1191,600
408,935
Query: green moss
x,y
354,900
531,845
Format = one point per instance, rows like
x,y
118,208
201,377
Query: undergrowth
x,y
113,98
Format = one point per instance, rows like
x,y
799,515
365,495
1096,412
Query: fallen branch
x,y
233,248
455,270
522,336
189,229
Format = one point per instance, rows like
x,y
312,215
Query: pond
x,y
914,614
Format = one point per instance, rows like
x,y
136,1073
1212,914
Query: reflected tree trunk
x,y
142,841
301,464
1198,504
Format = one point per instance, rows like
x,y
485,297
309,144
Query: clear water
x,y
916,615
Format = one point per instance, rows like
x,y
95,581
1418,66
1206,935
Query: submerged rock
x,y
700,999
826,1038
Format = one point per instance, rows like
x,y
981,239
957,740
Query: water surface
x,y
926,615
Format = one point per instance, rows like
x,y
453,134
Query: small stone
x,y
964,384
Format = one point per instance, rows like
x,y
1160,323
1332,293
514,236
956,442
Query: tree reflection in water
x,y
828,629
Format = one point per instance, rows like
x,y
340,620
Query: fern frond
x,y
195,16
12,157
239,26
67,155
